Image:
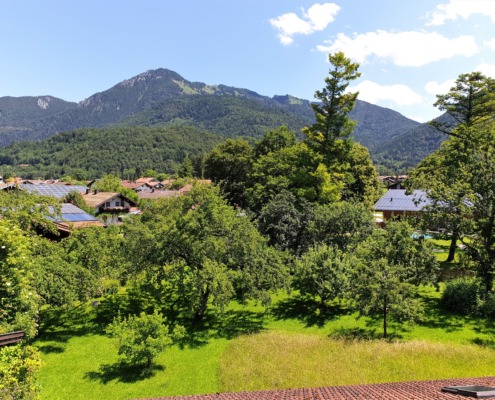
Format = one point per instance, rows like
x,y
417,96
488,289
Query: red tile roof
x,y
417,390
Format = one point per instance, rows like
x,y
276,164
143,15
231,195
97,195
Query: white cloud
x,y
486,69
398,94
317,18
434,87
411,49
417,118
455,9
490,44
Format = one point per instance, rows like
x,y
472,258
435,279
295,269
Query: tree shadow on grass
x,y
60,324
225,325
488,343
308,310
364,334
49,348
437,318
122,372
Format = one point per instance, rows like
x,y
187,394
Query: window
x,y
480,392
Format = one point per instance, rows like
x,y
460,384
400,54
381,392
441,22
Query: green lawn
x,y
294,344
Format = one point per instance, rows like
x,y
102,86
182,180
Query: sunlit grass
x,y
276,360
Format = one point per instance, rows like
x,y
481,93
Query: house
x,y
136,186
393,181
445,389
108,202
72,217
396,203
151,183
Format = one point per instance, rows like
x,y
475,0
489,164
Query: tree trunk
x,y
203,303
385,318
453,245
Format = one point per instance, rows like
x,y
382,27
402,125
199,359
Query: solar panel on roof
x,y
78,217
68,208
58,191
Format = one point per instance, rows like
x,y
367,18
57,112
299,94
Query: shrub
x,y
141,338
18,367
460,296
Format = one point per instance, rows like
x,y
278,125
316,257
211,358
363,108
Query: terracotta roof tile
x,y
416,390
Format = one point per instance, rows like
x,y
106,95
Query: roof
x,y
398,200
58,191
148,181
157,194
96,199
73,217
416,390
132,184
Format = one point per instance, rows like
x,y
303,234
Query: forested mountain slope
x,y
163,98
124,151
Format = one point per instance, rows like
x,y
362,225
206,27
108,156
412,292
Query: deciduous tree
x,y
391,267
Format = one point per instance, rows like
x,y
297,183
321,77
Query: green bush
x,y
461,296
142,338
486,306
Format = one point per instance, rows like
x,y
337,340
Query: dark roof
x,y
72,216
71,213
398,200
158,194
58,191
417,390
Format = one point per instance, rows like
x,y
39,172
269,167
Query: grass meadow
x,y
294,343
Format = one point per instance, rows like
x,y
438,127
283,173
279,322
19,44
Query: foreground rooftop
x,y
417,390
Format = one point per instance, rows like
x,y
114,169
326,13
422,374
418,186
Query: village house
x,y
108,202
396,203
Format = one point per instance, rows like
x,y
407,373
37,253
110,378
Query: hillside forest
x,y
287,213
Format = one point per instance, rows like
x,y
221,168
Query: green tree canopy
x,y
391,267
141,338
229,164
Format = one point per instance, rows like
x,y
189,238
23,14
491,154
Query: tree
x,y
329,136
275,140
362,182
186,169
112,183
18,367
343,225
29,211
391,266
448,173
228,164
297,169
332,121
469,102
323,271
284,219
18,299
200,251
141,338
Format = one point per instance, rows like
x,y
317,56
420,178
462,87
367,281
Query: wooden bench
x,y
11,337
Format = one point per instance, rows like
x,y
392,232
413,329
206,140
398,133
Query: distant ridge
x,y
163,97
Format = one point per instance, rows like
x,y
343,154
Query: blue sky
x,y
409,50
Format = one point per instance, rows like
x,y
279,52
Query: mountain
x,y
164,98
407,149
19,115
